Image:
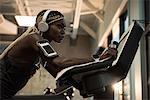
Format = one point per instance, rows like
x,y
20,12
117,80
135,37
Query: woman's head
x,y
46,17
51,24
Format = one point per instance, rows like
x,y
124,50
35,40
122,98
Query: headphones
x,y
43,26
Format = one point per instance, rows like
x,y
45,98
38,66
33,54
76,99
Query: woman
x,y
19,61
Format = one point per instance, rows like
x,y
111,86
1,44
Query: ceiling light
x,y
25,20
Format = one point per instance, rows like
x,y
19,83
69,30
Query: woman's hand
x,y
109,52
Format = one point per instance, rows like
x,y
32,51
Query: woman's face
x,y
56,31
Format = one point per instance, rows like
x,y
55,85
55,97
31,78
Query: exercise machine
x,y
92,78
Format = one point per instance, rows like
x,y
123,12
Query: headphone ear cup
x,y
43,26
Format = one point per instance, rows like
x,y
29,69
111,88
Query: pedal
x,y
62,89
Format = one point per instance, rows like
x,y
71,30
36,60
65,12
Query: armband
x,y
46,48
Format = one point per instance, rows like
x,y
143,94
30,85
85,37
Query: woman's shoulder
x,y
34,37
30,41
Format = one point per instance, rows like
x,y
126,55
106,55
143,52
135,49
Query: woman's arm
x,y
64,62
57,64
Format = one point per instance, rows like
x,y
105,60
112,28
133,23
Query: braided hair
x,y
53,16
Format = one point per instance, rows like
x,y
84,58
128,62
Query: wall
x,y
136,12
110,10
148,71
113,9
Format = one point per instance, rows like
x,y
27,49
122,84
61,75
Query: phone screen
x,y
48,49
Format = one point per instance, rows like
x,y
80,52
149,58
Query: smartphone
x,y
47,49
